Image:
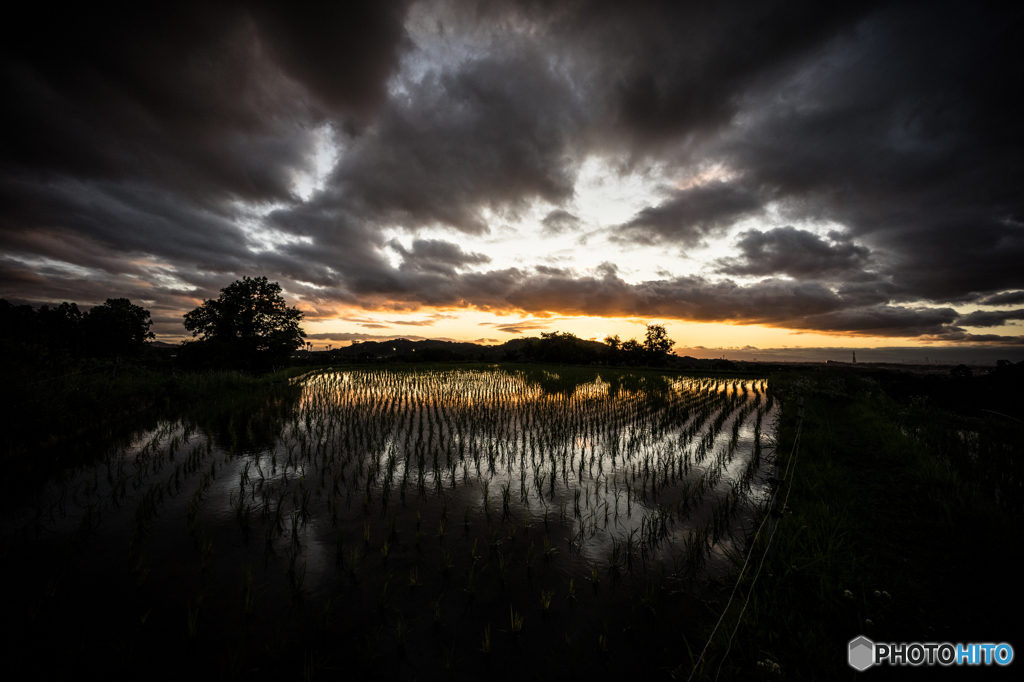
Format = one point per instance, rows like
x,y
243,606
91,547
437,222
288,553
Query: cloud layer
x,y
848,170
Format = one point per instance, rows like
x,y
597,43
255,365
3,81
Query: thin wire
x,y
729,603
764,556
750,551
64,376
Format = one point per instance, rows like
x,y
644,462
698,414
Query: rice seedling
x,y
503,564
549,550
470,587
327,614
402,626
353,563
249,595
296,576
485,641
369,644
650,598
382,595
517,620
393,526
340,537
615,464
494,541
449,660
545,600
139,571
206,553
192,621
436,604
312,665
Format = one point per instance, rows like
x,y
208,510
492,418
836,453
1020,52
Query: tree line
x,y
116,327
250,326
567,348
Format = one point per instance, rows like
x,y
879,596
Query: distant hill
x,y
428,349
431,350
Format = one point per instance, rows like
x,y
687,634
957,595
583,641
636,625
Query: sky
x,y
753,175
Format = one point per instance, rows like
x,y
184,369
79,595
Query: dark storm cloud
x,y
154,152
806,305
1008,298
516,327
882,321
669,69
989,339
132,132
559,221
436,255
202,97
357,336
495,134
981,318
691,214
342,51
902,131
793,252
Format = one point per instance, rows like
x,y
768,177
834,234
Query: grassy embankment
x,y
902,525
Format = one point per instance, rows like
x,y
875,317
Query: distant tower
x,y
855,357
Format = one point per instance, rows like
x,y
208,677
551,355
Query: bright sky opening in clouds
x,y
753,174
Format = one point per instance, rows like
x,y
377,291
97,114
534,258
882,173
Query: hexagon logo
x,y
862,653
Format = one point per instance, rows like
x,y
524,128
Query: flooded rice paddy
x,y
418,524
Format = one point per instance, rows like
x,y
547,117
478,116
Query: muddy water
x,y
397,523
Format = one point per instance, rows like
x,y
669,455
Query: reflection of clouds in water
x,y
315,552
507,428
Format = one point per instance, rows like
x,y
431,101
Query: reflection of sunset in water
x,y
619,451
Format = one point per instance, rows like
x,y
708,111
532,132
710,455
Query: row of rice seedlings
x,y
379,435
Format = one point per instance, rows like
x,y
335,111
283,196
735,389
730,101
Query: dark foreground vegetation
x,y
902,517
903,524
465,522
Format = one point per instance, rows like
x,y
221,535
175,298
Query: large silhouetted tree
x,y
118,327
657,342
248,325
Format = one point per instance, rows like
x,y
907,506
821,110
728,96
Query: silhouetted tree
x,y
248,325
631,352
653,351
561,347
118,327
657,341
